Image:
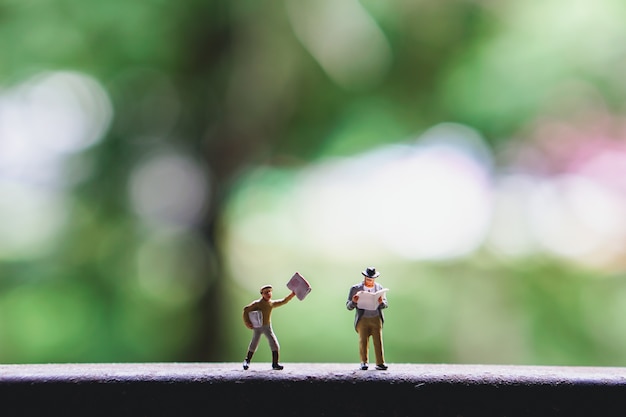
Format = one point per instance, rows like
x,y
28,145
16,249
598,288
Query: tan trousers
x,y
366,327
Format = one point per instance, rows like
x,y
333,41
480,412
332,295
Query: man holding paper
x,y
264,305
257,316
369,299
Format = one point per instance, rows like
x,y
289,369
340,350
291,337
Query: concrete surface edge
x,y
315,389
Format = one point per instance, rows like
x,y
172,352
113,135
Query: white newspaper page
x,y
369,300
256,317
299,285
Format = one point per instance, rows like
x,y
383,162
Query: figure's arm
x,y
382,301
285,300
352,299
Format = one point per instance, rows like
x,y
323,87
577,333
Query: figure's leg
x,y
254,343
363,331
274,346
246,361
377,337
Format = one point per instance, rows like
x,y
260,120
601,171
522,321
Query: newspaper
x,y
256,317
369,300
299,285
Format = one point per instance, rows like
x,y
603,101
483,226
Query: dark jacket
x,y
359,311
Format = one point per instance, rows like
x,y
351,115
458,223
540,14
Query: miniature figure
x,y
369,298
257,316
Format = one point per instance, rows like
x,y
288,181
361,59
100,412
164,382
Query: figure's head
x,y
370,274
266,292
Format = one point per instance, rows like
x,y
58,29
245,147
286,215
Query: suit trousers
x,y
366,327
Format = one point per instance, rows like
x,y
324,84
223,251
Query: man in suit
x,y
369,323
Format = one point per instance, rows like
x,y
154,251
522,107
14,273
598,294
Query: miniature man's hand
x,y
249,326
355,298
380,300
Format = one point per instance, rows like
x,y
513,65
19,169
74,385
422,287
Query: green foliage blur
x,y
160,161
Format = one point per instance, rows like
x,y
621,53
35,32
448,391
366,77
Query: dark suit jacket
x,y
359,311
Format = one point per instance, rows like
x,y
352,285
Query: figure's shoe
x,y
246,364
364,366
277,367
382,367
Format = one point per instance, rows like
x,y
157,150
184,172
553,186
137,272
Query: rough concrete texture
x,y
315,389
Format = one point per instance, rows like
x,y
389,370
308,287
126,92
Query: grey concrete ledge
x,y
315,389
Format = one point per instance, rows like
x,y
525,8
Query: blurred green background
x,y
161,160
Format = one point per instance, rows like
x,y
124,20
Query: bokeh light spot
x,y
426,201
344,39
46,118
573,216
33,220
170,189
